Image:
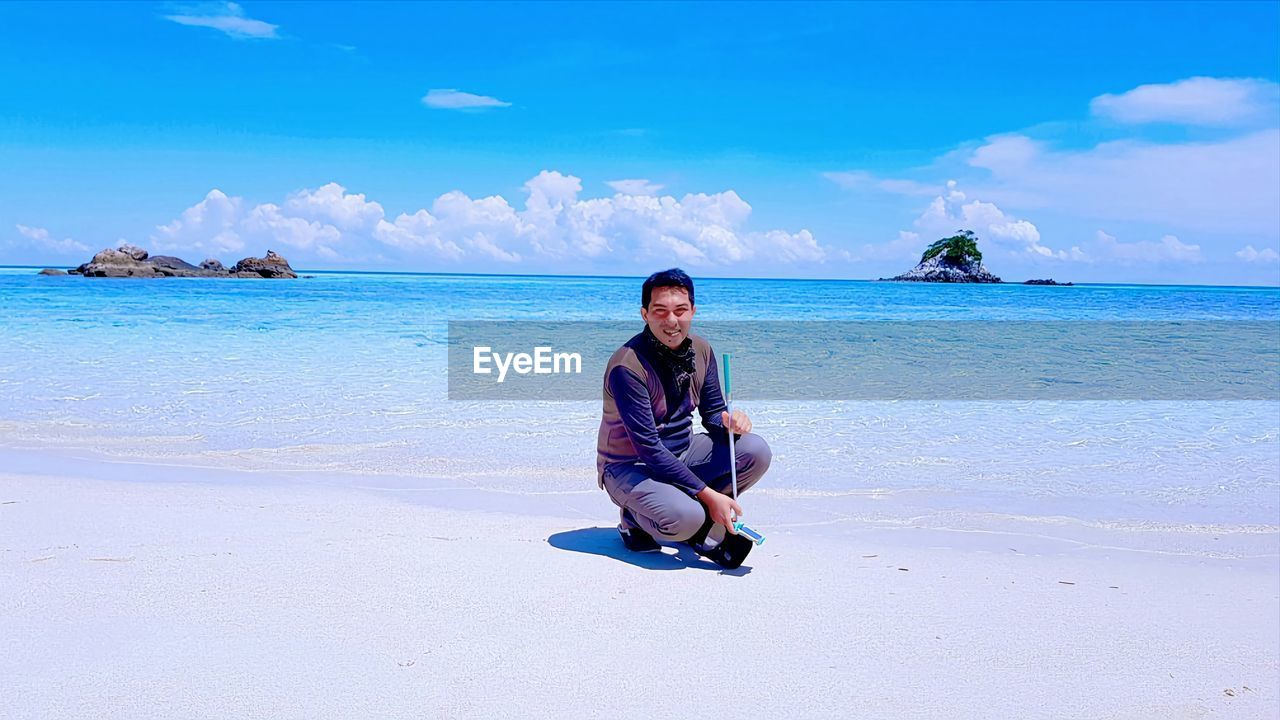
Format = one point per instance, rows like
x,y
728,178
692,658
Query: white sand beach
x,y
154,591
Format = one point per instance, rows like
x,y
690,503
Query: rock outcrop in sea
x,y
132,261
1049,281
950,260
271,266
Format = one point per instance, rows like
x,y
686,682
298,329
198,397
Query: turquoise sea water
x,y
347,372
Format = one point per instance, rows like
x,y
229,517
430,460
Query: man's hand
x,y
739,424
722,508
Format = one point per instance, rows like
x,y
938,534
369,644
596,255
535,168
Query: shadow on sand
x,y
605,541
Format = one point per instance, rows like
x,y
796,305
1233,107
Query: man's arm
x,y
632,398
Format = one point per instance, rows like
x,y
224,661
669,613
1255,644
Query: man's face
x,y
669,315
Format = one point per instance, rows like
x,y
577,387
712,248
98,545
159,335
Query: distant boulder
x,y
1049,281
270,266
132,261
170,266
117,263
134,252
53,271
171,262
951,260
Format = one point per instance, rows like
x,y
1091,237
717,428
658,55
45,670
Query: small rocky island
x,y
950,260
132,261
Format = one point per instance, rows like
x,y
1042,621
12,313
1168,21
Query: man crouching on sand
x,y
671,483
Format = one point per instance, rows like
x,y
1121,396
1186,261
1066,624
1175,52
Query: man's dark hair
x,y
675,277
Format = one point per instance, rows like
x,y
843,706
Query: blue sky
x,y
1089,142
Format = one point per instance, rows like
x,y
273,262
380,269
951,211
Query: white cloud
x,y
417,232
1219,188
309,220
862,180
1193,101
789,247
482,242
555,228
637,186
851,179
34,233
1227,186
553,231
267,223
226,17
1223,186
907,246
1168,249
550,190
1008,152
488,225
331,203
41,239
951,213
1263,256
211,225
448,99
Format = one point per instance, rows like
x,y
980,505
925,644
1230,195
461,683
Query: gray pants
x,y
669,513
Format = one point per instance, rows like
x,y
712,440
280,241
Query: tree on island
x,y
951,259
955,248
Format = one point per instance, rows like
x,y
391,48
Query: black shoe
x,y
638,540
729,554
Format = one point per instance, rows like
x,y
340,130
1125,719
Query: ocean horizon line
x,y
718,277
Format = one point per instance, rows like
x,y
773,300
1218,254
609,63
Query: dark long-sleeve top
x,y
644,422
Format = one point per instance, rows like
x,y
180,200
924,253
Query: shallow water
x,y
346,372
